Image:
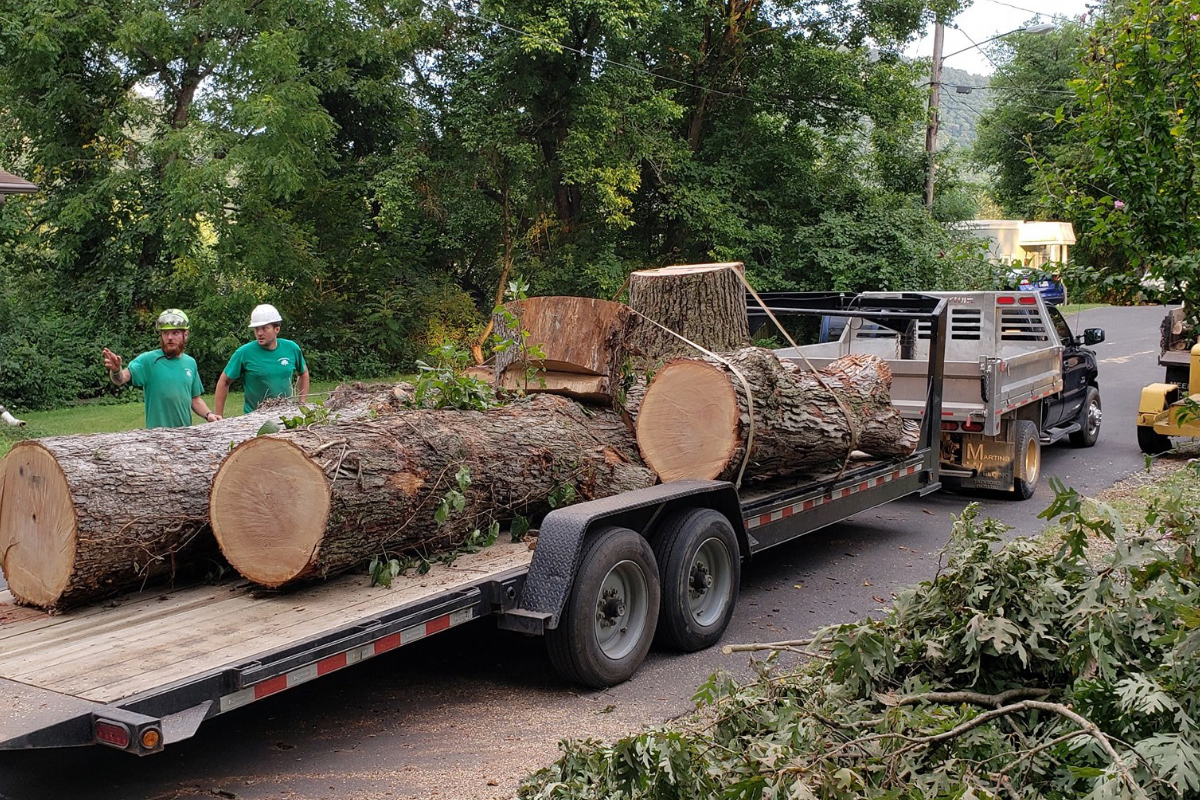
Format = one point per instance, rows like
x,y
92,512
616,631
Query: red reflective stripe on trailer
x,y
862,487
387,643
765,519
807,505
437,625
787,512
270,686
327,665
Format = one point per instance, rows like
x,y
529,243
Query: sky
x,y
984,19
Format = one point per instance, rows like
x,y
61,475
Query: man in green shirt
x,y
168,375
267,364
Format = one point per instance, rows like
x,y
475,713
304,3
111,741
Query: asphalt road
x,y
468,713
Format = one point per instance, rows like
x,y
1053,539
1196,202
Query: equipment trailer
x,y
606,577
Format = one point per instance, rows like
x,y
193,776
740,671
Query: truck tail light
x,y
949,425
973,427
113,734
1005,300
1028,300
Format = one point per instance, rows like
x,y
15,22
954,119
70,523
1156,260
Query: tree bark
x,y
340,494
705,303
83,517
575,335
694,419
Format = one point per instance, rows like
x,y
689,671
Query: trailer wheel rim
x,y
709,582
1033,462
622,610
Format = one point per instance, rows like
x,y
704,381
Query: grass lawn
x,y
1073,308
109,417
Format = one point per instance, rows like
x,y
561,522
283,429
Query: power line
x,y
1018,8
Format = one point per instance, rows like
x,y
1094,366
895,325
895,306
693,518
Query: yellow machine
x,y
1163,413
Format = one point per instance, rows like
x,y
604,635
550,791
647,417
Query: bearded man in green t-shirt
x,y
168,375
266,364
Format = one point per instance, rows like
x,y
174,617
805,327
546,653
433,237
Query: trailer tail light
x,y
1028,300
111,733
949,425
1005,300
973,427
151,737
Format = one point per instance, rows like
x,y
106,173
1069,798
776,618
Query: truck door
x,y
1075,373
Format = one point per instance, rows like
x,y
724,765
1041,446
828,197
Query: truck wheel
x,y
1028,457
1151,442
700,567
608,624
1089,420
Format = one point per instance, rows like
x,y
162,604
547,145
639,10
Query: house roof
x,y
11,184
1042,233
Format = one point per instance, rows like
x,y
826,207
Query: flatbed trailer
x,y
147,669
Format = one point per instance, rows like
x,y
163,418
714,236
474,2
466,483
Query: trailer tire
x,y
608,624
1151,442
700,568
1027,455
1089,420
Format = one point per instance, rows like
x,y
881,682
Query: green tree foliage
x,y
1031,82
1017,672
380,169
1128,179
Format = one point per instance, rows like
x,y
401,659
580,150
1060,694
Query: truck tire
x,y
700,568
608,624
1151,442
1089,420
1027,455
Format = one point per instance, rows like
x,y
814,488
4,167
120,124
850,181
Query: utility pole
x,y
935,94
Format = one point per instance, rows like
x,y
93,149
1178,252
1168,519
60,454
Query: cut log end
x,y
687,426
269,507
38,527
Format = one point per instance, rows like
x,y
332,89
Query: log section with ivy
x,y
83,517
694,419
310,503
560,345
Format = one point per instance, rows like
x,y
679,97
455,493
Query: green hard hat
x,y
172,320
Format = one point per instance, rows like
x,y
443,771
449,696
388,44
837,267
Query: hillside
x,y
964,97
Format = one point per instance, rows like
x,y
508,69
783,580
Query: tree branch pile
x,y
1028,670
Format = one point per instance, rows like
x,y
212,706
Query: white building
x,y
1030,243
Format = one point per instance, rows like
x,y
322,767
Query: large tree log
x,y
575,335
82,517
315,502
694,419
706,303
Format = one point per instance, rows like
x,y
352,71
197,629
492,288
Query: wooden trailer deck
x,y
136,643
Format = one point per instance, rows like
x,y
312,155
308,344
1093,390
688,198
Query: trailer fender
x,y
562,534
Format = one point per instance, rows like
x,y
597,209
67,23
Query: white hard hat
x,y
264,315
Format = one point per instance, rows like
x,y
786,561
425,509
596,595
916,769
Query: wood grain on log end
x,y
38,527
269,507
687,426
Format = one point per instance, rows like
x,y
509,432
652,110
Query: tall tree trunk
x,y
337,495
694,421
82,517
